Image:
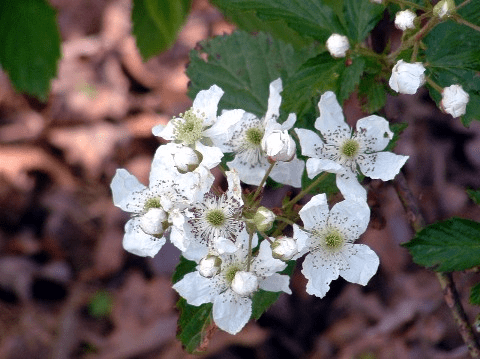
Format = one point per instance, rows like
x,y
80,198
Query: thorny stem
x,y
446,281
264,179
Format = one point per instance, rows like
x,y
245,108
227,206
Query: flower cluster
x,y
218,229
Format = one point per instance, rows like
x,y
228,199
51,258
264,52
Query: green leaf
x,y
361,17
156,24
475,294
193,325
328,185
350,78
372,93
101,304
183,267
397,129
29,45
243,66
308,17
262,300
474,195
471,12
451,245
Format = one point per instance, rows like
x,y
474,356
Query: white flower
x,y
230,290
404,20
444,8
244,138
377,1
337,45
264,219
214,223
343,151
407,78
454,100
278,145
149,206
193,128
329,237
284,248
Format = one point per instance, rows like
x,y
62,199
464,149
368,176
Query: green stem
x,y
285,220
461,20
409,4
434,85
264,179
304,192
466,2
446,281
264,235
249,257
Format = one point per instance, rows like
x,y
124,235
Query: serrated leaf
x,y
474,195
372,93
262,300
360,18
29,45
350,78
243,66
475,294
156,24
183,267
471,12
193,324
451,245
397,129
308,17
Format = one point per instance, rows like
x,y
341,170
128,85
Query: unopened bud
x,y
284,248
152,222
444,8
279,146
404,20
187,159
407,78
264,219
454,100
337,45
209,265
245,283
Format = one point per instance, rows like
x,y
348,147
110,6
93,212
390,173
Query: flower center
x,y
190,130
350,148
254,136
152,203
230,273
334,239
215,217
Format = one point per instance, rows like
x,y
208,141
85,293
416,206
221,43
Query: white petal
x,y
288,124
351,217
363,264
264,264
320,271
375,132
274,100
166,132
247,173
276,283
196,289
382,165
348,184
222,130
231,312
310,143
123,186
302,239
316,165
177,233
331,115
289,173
195,251
138,242
224,245
315,211
212,156
207,102
234,186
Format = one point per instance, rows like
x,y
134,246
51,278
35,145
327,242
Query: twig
x,y
446,281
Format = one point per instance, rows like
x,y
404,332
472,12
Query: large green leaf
x,y
308,17
360,18
29,45
451,245
156,24
471,12
243,66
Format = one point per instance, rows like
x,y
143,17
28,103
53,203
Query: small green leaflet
x,y
475,294
243,66
360,18
29,45
156,24
451,245
474,195
397,129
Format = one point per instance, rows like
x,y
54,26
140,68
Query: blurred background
x,y
69,290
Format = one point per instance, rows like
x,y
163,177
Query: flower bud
x,y
404,20
279,146
454,100
337,45
245,283
187,159
284,248
444,8
209,265
264,219
377,1
407,78
152,221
